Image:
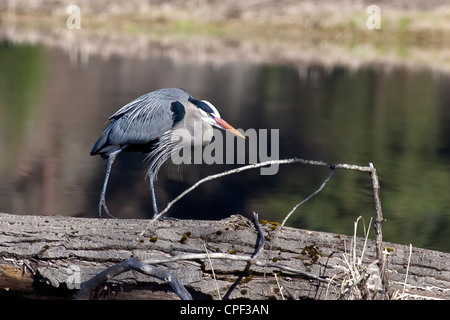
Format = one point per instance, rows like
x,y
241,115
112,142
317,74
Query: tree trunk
x,y
50,256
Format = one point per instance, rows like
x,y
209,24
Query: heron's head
x,y
211,115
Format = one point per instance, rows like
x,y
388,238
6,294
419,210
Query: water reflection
x,y
52,111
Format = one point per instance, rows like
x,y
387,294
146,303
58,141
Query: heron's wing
x,y
146,118
151,100
142,120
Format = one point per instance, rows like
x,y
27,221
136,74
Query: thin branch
x,y
407,269
309,197
235,257
258,165
280,288
379,214
365,240
132,264
213,273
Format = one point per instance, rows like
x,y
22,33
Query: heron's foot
x,y
157,216
161,218
103,205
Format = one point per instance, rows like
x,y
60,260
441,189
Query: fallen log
x,y
44,257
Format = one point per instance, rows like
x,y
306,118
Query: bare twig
x,y
407,268
132,264
365,239
379,214
213,273
280,288
235,257
258,165
309,197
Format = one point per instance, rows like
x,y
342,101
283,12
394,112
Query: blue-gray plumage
x,y
157,123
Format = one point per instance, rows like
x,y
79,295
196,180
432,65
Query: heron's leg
x,y
102,203
152,190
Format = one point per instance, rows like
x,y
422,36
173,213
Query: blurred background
x,y
336,90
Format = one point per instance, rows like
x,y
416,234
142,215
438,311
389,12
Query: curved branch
x,y
258,165
132,264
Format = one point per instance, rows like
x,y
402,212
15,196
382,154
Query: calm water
x,y
52,111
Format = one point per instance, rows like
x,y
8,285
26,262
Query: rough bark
x,y
48,256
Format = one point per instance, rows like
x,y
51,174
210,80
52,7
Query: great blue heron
x,y
157,123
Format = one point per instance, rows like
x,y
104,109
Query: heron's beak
x,y
223,124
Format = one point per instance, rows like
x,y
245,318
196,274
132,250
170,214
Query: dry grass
x,y
358,279
361,279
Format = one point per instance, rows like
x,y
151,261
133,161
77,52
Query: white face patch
x,y
215,111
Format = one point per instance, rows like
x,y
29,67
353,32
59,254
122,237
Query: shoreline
x,y
296,34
